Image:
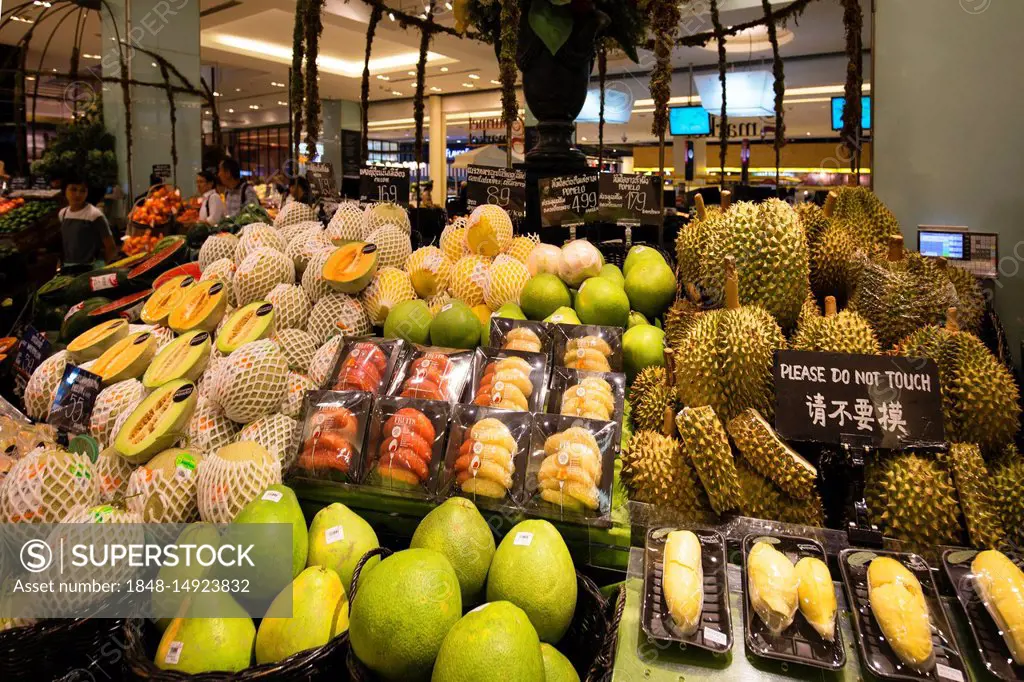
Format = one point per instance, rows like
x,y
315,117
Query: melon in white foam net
x,y
46,484
298,385
297,346
163,490
386,213
111,403
313,282
261,271
291,306
323,360
257,236
294,212
224,271
252,381
112,472
278,433
347,224
42,385
305,246
333,310
232,477
209,429
217,246
393,246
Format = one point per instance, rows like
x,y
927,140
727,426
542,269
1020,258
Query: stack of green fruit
x,y
25,216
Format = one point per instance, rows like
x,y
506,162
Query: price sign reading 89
x,y
499,196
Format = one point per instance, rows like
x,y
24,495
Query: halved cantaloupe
x,y
249,323
126,359
184,358
351,267
158,422
92,343
202,307
165,299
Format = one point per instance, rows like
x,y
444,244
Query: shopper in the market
x,y
211,206
237,192
299,191
84,230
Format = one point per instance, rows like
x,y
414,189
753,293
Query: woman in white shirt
x,y
211,206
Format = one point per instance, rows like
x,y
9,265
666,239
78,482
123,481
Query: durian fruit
x,y
649,396
656,471
768,244
762,499
772,586
678,319
813,219
766,452
919,501
898,605
900,292
817,596
845,332
971,478
469,275
707,446
705,222
683,580
834,266
390,286
1000,584
727,358
970,307
808,311
980,399
1007,482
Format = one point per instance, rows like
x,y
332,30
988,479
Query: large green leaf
x,y
553,25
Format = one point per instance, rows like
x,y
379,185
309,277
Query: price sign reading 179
x,y
384,184
630,199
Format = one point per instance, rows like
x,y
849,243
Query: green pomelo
x,y
402,611
409,321
278,504
563,315
640,254
532,569
455,326
651,287
338,539
510,311
201,645
642,346
602,301
313,610
557,667
636,318
493,642
612,273
458,530
543,295
167,604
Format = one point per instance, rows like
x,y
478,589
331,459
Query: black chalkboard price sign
x,y
322,183
499,186
32,350
18,182
865,400
627,198
75,398
568,200
384,183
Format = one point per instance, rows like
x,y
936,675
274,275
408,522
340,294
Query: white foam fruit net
x,y
111,403
216,247
322,362
42,385
223,486
347,223
278,434
294,213
333,309
252,381
298,384
162,497
297,346
313,281
291,306
258,236
209,429
261,271
304,245
47,484
112,472
393,246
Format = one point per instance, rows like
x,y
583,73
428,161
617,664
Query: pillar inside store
x,y
438,150
169,28
337,116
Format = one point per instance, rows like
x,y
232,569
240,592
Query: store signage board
x,y
864,400
75,398
499,186
384,183
568,200
322,183
32,350
40,182
351,153
162,170
629,199
18,182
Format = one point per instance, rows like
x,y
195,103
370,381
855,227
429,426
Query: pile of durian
x,y
699,442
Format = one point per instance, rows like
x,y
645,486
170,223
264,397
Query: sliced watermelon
x,y
76,319
188,269
129,261
127,307
159,261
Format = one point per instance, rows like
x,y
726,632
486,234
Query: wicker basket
x,y
589,624
82,649
615,250
324,663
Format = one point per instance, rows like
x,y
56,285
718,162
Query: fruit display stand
x,y
155,213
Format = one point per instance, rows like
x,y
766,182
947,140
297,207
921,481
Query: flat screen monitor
x,y
689,121
839,103
941,244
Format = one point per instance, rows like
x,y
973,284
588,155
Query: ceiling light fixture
x,y
448,6
30,78
254,106
282,104
216,94
411,73
382,77
444,69
494,82
467,85
231,111
434,88
474,76
90,56
396,93
391,16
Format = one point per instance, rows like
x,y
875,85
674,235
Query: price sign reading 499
x,y
630,199
384,184
569,200
499,187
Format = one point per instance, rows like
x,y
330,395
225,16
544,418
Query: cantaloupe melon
x,y
126,359
294,212
46,484
232,477
217,246
209,428
261,271
393,246
184,358
42,385
112,471
387,213
202,308
336,314
390,287
249,323
92,343
164,489
223,270
351,267
158,422
505,281
297,346
111,403
298,385
252,381
323,360
165,299
257,236
277,433
453,240
468,278
291,306
347,224
313,281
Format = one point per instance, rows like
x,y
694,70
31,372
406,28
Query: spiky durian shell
x,y
726,361
627,424
649,407
812,221
834,260
1006,483
980,399
772,458
809,310
645,380
678,320
707,447
860,205
762,499
846,332
920,505
970,308
656,472
768,244
971,478
899,297
689,245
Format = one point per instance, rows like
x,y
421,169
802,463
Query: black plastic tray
x,y
990,644
799,643
715,616
875,653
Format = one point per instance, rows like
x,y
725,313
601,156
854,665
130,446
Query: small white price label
x,y
334,534
715,637
272,496
523,538
174,653
947,673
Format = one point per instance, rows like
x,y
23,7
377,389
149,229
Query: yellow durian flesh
x,y
898,605
773,586
683,580
817,596
1000,584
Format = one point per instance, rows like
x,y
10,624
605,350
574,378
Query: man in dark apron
x,y
85,232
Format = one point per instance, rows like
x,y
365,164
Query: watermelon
x,y
77,319
127,307
174,252
189,269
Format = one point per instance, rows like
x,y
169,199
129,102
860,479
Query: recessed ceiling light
x,y
444,69
282,104
411,73
30,78
90,56
494,82
238,89
808,133
276,84
23,20
254,106
207,112
382,77
153,64
396,93
467,85
448,6
54,70
391,16
475,76
216,94
434,88
231,111
584,139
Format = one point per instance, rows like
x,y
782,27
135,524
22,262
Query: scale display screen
x,y
942,244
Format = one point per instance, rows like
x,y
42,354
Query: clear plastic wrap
x,y
587,347
365,364
406,445
509,379
487,455
526,335
431,373
333,434
591,395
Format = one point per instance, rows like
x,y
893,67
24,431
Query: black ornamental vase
x,y
555,87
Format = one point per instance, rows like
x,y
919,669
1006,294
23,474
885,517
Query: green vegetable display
x,y
25,216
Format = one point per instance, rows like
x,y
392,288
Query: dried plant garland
x,y
405,20
602,77
510,18
364,92
313,28
780,89
417,102
174,124
296,92
723,123
665,17
853,20
790,11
